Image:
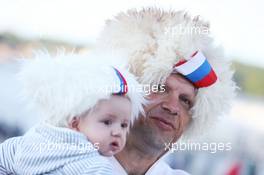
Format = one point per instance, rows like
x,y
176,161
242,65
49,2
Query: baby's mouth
x,y
114,145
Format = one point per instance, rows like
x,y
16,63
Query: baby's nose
x,y
116,132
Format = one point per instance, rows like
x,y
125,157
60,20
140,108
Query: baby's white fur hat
x,y
150,40
67,85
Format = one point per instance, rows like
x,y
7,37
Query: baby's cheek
x,y
124,140
122,146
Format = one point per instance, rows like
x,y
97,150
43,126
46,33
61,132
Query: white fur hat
x,y
67,85
155,40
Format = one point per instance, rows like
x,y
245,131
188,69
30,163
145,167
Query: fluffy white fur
x,y
149,40
67,85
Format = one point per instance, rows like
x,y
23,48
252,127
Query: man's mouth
x,y
163,124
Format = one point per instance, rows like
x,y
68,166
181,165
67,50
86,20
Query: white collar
x,y
159,167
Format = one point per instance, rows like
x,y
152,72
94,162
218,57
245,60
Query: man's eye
x,y
187,102
107,122
124,125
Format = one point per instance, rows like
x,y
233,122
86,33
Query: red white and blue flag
x,y
123,83
197,69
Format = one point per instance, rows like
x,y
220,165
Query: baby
x,y
89,107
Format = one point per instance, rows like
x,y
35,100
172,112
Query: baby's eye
x,y
107,122
124,125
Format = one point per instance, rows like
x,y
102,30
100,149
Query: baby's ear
x,y
74,123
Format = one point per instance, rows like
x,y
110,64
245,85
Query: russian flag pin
x,y
123,83
197,69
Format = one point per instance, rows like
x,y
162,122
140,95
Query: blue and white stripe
x,y
197,69
21,155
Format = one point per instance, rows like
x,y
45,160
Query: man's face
x,y
167,115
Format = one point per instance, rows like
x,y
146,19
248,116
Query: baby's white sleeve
x,y
7,152
97,165
96,170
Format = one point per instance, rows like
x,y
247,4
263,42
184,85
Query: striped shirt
x,y
46,149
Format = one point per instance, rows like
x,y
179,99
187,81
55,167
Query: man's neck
x,y
137,161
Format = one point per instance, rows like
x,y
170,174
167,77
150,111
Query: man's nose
x,y
171,105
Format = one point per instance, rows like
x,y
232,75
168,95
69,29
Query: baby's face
x,y
108,124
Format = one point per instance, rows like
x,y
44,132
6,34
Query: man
x,y
177,53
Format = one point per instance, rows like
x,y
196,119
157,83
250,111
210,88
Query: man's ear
x,y
74,123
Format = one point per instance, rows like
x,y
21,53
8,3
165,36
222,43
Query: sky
x,y
236,24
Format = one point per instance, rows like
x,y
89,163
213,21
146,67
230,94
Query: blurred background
x,y
73,25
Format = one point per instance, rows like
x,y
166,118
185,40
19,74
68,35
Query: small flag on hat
x,y
123,83
197,69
